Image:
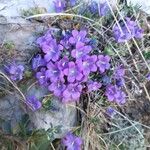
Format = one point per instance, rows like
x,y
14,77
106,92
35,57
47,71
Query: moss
x,y
33,11
9,45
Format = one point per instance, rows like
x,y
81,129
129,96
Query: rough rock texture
x,y
63,115
59,114
23,34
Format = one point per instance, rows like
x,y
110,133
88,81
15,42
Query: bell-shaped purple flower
x,y
93,7
34,103
106,80
63,63
73,2
53,72
81,50
52,50
65,42
103,9
93,85
120,82
103,63
113,93
78,36
59,5
119,72
72,93
124,32
72,142
119,76
110,112
44,40
87,64
148,77
42,79
73,72
15,71
37,62
57,88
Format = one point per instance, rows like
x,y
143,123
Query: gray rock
x,y
12,8
63,115
58,115
23,34
10,109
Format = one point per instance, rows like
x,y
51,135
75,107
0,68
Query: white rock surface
x,y
144,4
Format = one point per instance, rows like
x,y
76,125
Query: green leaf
x,y
109,51
23,126
47,103
9,45
147,55
28,74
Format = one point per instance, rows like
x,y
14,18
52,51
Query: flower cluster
x,y
67,63
126,31
113,93
15,71
72,142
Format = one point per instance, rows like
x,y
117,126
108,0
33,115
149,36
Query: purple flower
x,y
93,85
125,32
103,63
72,93
42,79
119,72
34,103
81,50
52,50
63,63
148,77
103,9
37,62
53,72
65,41
113,93
57,88
78,36
73,72
138,32
121,34
73,2
88,64
120,82
15,71
72,142
93,7
118,75
106,80
110,112
59,5
134,28
43,40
